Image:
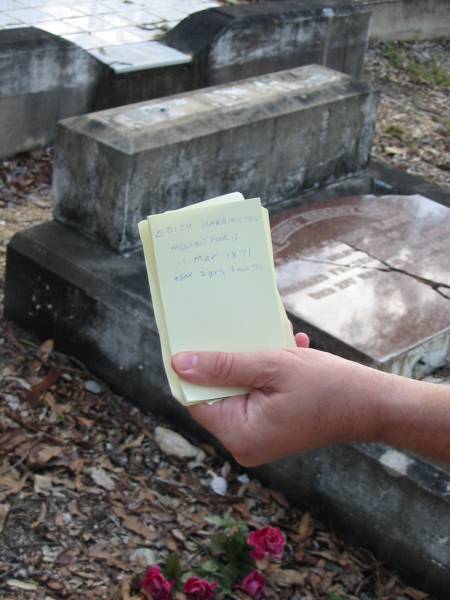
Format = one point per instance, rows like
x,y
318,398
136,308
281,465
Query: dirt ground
x,y
90,493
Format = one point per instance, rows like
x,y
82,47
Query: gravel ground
x,y
90,490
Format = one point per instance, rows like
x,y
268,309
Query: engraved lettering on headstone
x,y
360,262
310,281
342,254
345,283
322,293
367,274
338,270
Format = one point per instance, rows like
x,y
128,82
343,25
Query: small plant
x,y
421,72
395,132
232,560
394,54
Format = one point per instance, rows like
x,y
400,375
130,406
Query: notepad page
x,y
236,196
158,309
216,283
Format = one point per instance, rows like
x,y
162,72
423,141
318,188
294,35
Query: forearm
x,y
415,415
304,399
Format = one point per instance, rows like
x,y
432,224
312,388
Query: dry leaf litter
x,y
413,125
93,491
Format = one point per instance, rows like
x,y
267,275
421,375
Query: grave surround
x,y
95,304
103,54
233,42
278,134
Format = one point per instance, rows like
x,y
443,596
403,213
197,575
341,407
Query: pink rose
x,y
253,584
267,541
157,585
196,588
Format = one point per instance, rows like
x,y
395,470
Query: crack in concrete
x,y
346,266
435,285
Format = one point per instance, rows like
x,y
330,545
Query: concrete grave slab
x,y
43,79
382,498
272,135
233,42
408,19
95,304
139,56
368,278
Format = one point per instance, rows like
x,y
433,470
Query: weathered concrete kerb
x,y
408,19
278,134
234,42
43,78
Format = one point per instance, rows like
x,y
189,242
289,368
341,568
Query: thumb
x,y
253,370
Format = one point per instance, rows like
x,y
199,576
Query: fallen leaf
x,y
41,454
11,485
144,557
315,580
4,511
11,439
134,524
125,589
279,498
287,577
55,585
42,484
243,510
306,527
45,350
101,478
414,594
134,443
41,517
171,544
84,422
36,390
26,586
394,150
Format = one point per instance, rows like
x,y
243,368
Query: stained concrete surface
x,y
234,42
279,134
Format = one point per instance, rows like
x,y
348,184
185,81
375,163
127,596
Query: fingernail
x,y
185,361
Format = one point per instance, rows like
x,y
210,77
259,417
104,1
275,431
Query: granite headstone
x,y
368,277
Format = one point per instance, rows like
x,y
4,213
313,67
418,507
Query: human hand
x,y
300,399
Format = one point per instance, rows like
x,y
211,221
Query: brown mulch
x,y
85,489
25,197
87,495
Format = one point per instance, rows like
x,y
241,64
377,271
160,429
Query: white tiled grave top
x,y
120,33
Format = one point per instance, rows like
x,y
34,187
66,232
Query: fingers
x,y
255,370
227,421
208,416
216,417
302,340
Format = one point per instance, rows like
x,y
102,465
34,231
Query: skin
x,y
302,399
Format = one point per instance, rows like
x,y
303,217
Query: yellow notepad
x,y
212,281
